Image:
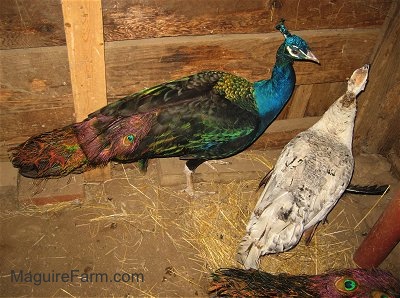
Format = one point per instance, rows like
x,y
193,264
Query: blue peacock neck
x,y
272,95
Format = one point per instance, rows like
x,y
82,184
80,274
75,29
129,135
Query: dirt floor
x,y
166,243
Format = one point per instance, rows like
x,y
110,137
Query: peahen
x,y
205,116
375,283
310,175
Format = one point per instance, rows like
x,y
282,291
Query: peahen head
x,y
294,47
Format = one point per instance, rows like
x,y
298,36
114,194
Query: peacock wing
x,y
204,127
165,94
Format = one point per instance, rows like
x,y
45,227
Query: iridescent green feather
x,y
238,90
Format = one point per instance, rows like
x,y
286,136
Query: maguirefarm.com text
x,y
74,275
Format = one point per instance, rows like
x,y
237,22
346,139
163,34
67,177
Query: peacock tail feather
x,y
51,154
235,282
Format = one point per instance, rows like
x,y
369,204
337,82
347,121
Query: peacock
x,y
206,116
310,175
375,283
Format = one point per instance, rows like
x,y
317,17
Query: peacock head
x,y
294,46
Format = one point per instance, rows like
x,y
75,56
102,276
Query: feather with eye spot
x,y
234,282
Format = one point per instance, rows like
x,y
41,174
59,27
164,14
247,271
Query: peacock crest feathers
x,y
289,38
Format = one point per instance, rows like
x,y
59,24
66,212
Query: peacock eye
x,y
293,50
379,294
346,284
128,140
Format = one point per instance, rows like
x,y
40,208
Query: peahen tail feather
x,y
50,154
367,189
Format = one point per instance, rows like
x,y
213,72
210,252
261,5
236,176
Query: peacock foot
x,y
190,186
197,193
216,161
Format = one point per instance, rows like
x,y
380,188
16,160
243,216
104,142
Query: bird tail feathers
x,y
106,138
50,154
80,146
368,189
248,253
273,227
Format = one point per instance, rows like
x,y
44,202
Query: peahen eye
x,y
128,140
379,294
346,284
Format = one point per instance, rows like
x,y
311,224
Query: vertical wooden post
x,y
378,124
83,24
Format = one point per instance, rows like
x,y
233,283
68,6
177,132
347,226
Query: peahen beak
x,y
310,56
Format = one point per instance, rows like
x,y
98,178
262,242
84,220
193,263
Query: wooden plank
x,y
136,19
39,78
280,132
31,23
378,125
34,122
133,65
84,34
322,96
8,175
299,101
34,79
242,166
39,23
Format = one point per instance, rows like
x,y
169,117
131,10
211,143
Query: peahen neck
x,y
272,95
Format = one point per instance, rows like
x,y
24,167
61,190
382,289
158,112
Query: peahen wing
x,y
309,177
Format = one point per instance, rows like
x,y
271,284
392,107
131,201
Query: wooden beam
x,y
84,34
299,101
378,125
38,23
280,132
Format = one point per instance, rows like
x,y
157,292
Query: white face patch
x,y
294,51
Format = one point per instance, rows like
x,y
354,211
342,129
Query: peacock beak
x,y
310,56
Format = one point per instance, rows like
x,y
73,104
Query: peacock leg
x,y
216,161
189,169
189,181
309,233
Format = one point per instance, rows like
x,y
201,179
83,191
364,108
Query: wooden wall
x,y
148,42
378,126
